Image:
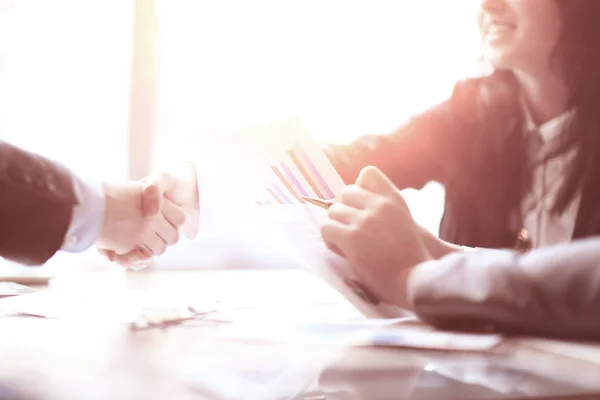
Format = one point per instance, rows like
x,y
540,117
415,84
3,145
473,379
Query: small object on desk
x,y
8,289
26,279
524,243
433,340
319,202
162,317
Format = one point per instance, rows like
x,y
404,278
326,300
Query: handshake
x,y
142,219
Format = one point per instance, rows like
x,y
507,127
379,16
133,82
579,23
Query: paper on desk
x,y
49,304
320,333
123,308
368,332
433,340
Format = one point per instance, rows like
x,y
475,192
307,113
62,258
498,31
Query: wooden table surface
x,y
85,359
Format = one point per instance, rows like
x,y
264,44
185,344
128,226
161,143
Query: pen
x,y
318,202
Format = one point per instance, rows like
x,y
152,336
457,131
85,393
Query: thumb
x,y
375,181
109,254
155,187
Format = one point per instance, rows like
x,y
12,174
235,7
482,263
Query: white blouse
x,y
546,228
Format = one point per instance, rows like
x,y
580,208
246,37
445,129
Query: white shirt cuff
x,y
88,215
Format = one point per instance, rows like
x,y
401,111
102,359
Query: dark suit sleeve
x,y
36,202
553,291
429,147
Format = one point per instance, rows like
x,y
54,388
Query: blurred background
x,y
116,89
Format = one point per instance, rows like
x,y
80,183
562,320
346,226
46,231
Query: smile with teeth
x,y
499,28
498,32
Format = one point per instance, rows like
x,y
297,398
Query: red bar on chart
x,y
305,174
294,180
314,177
275,196
281,193
287,184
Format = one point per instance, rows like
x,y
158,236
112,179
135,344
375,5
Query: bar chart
x,y
292,164
296,176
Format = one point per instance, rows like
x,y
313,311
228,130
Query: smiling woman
x,y
518,33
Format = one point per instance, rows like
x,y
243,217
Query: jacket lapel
x,y
588,216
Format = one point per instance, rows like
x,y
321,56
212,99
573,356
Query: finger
x,y
136,258
335,236
164,230
155,187
109,254
155,244
356,197
173,213
375,181
343,214
335,249
152,199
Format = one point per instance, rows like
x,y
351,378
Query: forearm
x,y
437,247
430,146
36,204
406,157
554,291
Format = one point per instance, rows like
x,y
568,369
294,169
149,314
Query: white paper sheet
x,y
112,307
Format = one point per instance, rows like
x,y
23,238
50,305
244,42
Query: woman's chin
x,y
500,58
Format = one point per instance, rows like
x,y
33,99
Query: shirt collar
x,y
549,130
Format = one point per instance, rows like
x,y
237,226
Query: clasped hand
x,y
143,218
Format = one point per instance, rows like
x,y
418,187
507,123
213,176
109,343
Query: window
x,y
65,79
65,68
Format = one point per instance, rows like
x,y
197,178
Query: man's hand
x,y
180,187
371,226
126,228
177,187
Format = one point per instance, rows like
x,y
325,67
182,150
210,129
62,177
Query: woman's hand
x,y
371,226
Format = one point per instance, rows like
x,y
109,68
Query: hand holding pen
x,y
319,202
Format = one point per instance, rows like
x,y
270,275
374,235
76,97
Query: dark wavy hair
x,y
576,58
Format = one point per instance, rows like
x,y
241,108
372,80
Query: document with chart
x,y
297,167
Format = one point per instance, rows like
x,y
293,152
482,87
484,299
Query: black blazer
x,y
472,144
36,202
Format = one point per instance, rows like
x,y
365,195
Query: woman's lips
x,y
498,31
500,28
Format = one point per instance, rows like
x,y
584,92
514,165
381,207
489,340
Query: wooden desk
x,y
59,359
